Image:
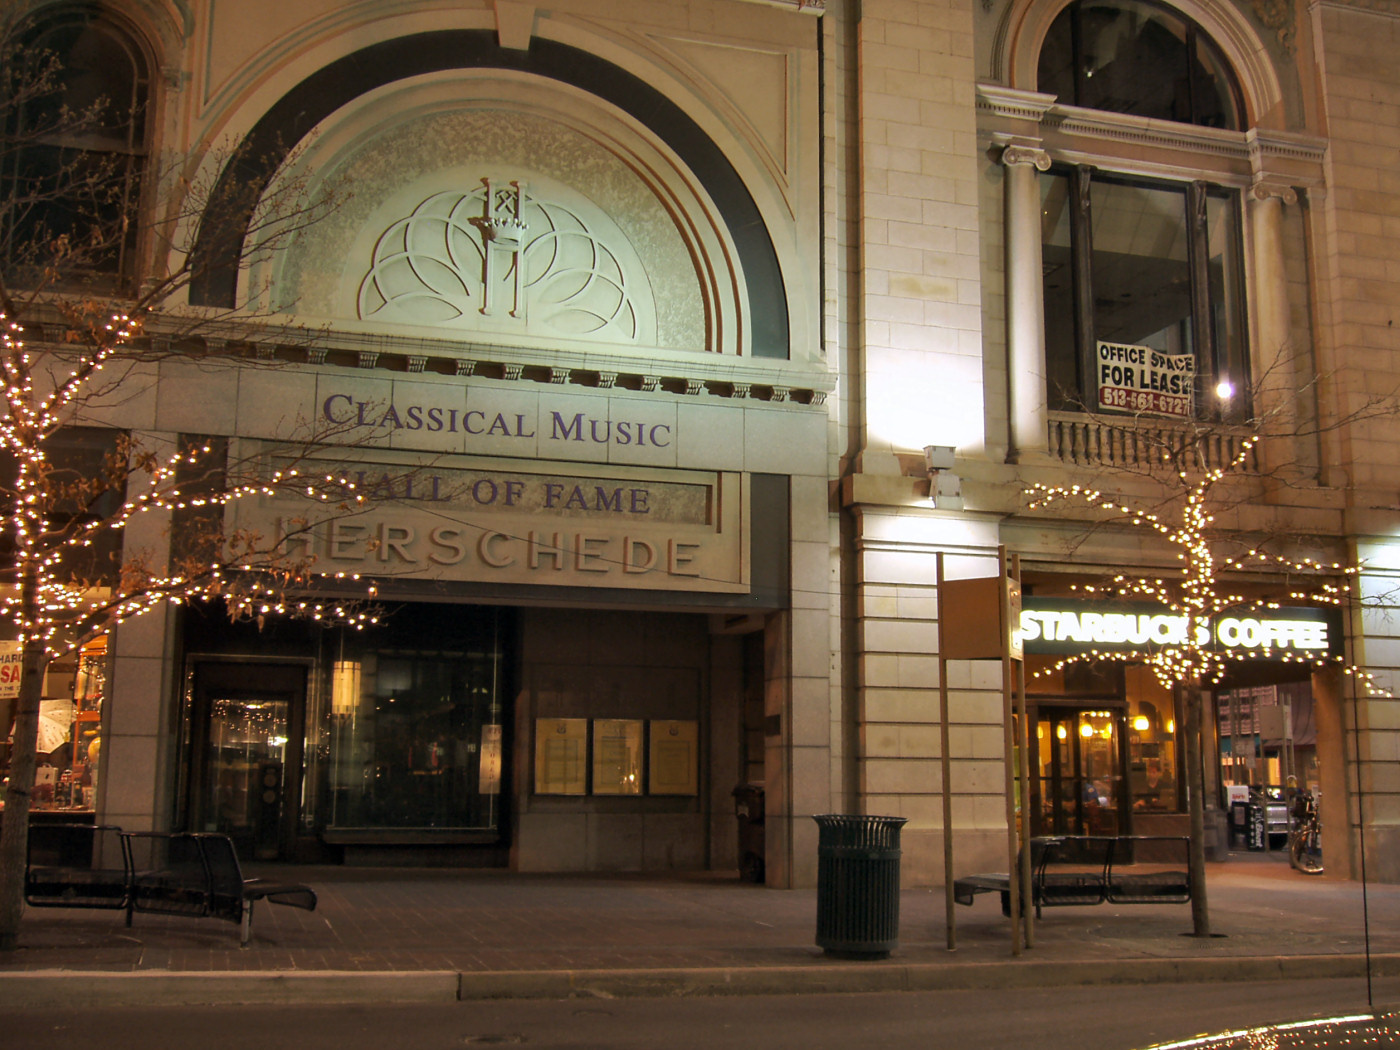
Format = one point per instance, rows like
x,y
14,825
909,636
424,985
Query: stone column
x,y
1275,365
1025,309
138,737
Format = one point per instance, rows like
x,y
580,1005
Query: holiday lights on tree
x,y
1203,592
49,603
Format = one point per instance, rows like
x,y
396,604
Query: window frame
x,y
1200,49
122,145
1214,361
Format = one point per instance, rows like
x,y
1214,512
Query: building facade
x,y
633,322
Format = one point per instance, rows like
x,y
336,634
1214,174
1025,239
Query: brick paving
x,y
480,922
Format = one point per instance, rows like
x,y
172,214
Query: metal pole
x,y
946,763
1013,837
1024,770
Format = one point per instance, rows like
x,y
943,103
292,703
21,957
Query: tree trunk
x,y
14,832
1196,805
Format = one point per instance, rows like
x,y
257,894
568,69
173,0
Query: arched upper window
x,y
1126,56
73,114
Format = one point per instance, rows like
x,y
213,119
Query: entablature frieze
x,y
712,375
1026,120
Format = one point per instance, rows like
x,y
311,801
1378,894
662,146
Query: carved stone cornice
x,y
1017,105
662,373
804,7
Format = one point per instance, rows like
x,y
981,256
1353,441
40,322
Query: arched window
x,y
73,108
1129,57
1143,277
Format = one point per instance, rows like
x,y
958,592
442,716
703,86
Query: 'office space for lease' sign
x,y
1145,381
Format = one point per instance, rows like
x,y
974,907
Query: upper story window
x,y
1144,300
73,114
1128,57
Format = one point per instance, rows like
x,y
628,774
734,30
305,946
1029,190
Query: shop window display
x,y
70,741
415,740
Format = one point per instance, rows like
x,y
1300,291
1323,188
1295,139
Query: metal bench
x,y
171,873
197,874
1087,869
77,866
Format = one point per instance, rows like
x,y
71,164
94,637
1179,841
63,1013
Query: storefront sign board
x,y
1066,627
501,521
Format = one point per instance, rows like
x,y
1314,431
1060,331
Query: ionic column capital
x,y
1031,155
1265,190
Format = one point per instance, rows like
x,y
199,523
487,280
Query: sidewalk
x,y
422,934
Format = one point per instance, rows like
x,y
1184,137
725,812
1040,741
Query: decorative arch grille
x,y
498,253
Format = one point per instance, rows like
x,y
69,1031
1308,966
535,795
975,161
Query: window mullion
x,y
1202,322
1082,253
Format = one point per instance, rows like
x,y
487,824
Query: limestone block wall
x,y
1358,228
899,717
921,339
1360,238
1372,722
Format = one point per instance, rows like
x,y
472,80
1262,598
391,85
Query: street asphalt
x,y
398,935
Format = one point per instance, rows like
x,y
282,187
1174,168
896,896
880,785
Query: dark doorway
x,y
247,727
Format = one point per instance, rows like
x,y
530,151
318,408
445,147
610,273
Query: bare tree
x,y
80,326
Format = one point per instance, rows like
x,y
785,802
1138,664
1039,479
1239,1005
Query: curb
x,y
864,977
43,989
39,989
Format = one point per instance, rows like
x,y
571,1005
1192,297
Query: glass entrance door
x,y
1077,779
246,761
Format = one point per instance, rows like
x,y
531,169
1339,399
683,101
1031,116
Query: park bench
x,y
77,866
172,873
1091,869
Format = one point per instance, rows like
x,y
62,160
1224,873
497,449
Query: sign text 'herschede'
x,y
1067,627
557,525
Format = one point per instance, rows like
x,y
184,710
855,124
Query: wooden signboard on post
x,y
979,619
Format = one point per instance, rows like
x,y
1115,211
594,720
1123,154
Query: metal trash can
x,y
858,885
748,807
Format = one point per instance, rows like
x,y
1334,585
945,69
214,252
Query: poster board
x,y
561,756
675,754
617,756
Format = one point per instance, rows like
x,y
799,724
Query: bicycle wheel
x,y
1304,851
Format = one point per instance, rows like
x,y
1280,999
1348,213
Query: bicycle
x,y
1305,836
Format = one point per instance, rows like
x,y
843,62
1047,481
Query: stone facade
x,y
775,249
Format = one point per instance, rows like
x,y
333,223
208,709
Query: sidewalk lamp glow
x,y
1224,390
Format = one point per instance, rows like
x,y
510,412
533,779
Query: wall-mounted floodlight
x,y
938,457
944,487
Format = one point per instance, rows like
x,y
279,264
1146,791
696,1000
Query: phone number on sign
x,y
1144,401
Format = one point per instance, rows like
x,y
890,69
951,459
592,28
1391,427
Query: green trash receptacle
x,y
858,885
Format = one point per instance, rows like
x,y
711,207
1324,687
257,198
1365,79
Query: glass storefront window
x,y
414,739
1152,752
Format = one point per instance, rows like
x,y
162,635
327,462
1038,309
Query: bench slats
x,y
173,873
1084,869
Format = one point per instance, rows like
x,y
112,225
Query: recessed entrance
x,y
247,724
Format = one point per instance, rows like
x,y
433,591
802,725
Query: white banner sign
x,y
10,663
1144,381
